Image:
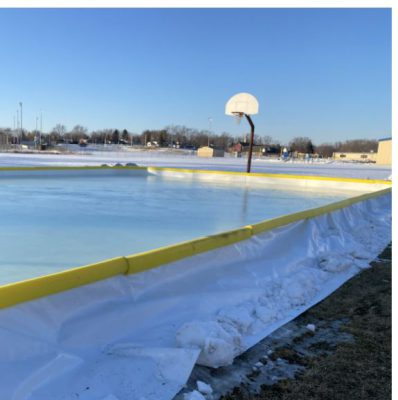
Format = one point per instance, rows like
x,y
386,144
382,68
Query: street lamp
x,y
208,136
20,105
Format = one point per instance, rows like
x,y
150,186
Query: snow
x,y
166,158
194,395
311,327
204,388
219,343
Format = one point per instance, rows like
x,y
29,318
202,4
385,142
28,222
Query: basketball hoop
x,y
238,117
243,104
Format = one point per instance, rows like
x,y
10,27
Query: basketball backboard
x,y
242,104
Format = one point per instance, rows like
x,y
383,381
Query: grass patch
x,y
358,370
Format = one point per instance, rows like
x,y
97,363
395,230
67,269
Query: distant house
x,y
207,151
384,151
355,156
243,147
239,147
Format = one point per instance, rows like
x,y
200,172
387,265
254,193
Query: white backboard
x,y
244,103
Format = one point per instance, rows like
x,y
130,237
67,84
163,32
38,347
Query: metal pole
x,y
36,132
208,136
20,104
249,160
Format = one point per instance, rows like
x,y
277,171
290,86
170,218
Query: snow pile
x,y
204,388
219,343
194,395
204,391
344,253
311,327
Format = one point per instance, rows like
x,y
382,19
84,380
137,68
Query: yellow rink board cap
x,y
30,289
153,258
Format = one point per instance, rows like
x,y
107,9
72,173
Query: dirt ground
x,y
356,366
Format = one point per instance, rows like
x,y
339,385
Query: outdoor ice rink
x,y
138,335
77,218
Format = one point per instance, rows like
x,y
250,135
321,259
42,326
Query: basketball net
x,y
238,117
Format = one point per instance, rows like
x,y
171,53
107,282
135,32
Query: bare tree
x,y
301,145
325,149
78,132
357,146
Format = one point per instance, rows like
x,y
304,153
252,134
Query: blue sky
x,y
322,73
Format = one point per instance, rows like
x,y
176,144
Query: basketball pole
x,y
249,160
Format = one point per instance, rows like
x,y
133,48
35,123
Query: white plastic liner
x,y
138,337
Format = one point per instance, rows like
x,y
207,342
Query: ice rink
x,y
53,221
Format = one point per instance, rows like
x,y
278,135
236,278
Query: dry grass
x,y
358,370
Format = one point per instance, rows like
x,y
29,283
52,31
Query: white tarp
x,y
138,337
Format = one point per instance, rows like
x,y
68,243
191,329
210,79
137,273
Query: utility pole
x,y
41,127
36,133
17,133
20,105
208,136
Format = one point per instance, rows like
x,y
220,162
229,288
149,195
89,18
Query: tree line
x,y
185,137
305,145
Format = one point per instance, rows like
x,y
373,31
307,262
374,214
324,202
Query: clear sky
x,y
322,73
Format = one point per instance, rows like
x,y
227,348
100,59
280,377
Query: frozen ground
x,y
61,221
188,159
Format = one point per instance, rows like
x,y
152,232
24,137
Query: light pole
x,y
17,130
208,136
20,105
41,128
36,133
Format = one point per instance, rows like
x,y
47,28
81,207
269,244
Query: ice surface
x,y
56,221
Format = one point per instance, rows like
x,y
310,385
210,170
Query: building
x,y
258,150
384,152
351,156
207,151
